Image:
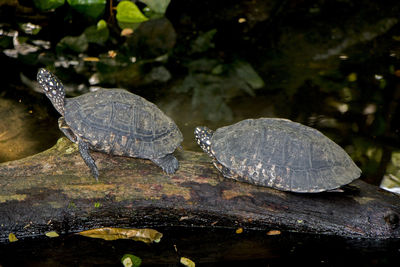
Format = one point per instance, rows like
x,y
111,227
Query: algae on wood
x,y
54,191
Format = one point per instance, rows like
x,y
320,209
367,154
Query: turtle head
x,y
203,136
53,88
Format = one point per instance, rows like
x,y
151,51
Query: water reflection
x,y
24,129
332,70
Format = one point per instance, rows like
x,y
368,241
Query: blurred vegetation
x,y
213,83
313,63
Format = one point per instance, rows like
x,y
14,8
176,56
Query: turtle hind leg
x,y
84,151
227,173
169,163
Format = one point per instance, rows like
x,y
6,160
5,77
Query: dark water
x,y
332,65
205,247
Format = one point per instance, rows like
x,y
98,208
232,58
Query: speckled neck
x,y
53,88
203,137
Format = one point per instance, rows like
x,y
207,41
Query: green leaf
x,y
12,237
6,42
188,84
101,24
129,260
52,234
158,6
246,72
48,4
382,83
91,8
128,12
30,28
75,43
204,42
396,158
97,34
187,262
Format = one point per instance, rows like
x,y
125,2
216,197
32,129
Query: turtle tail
x,y
53,88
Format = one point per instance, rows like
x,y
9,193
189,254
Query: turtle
x,y
278,153
114,121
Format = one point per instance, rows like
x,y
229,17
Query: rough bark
x,y
54,191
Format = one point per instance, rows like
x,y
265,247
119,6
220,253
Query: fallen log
x,y
54,191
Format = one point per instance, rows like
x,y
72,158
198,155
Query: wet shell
x,y
117,122
282,154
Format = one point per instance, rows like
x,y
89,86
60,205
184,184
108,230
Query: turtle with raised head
x,y
278,153
116,122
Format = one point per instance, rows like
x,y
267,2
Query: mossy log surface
x,y
54,191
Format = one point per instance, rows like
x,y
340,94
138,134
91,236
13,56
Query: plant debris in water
x,y
52,234
145,235
274,232
129,260
187,262
239,230
12,237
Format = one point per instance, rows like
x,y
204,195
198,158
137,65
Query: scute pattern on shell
x,y
284,155
117,122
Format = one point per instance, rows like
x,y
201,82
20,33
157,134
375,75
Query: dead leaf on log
x,y
145,235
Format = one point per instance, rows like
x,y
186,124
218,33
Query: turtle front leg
x,y
169,163
84,150
66,130
83,147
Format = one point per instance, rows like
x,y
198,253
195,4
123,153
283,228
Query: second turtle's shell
x,y
282,154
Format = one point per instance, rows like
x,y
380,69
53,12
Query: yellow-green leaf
x,y
102,24
352,77
187,262
129,260
108,233
12,237
52,234
239,230
128,12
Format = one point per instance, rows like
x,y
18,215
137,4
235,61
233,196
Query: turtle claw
x,y
169,163
95,173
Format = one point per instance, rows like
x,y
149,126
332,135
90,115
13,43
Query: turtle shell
x,y
282,154
117,122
